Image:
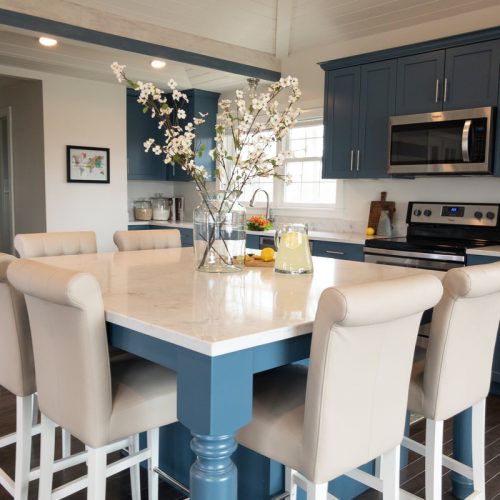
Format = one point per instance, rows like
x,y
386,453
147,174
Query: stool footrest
x,y
448,462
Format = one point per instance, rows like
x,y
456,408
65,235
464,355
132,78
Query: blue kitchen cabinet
x,y
186,234
455,78
252,241
471,75
335,250
341,122
420,83
358,103
200,101
473,260
140,127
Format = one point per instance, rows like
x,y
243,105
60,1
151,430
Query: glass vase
x,y
219,233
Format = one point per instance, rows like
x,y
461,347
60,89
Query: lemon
x,y
370,231
267,254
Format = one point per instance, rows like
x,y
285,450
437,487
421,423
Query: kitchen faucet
x,y
252,201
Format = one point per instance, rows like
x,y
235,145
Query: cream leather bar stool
x,y
103,405
147,239
455,370
49,244
56,243
349,407
17,375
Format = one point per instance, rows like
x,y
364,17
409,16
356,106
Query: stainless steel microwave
x,y
444,142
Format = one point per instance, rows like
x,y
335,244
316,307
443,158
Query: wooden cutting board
x,y
258,263
376,208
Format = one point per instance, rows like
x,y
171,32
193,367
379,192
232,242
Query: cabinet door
x,y
471,75
377,103
420,83
341,122
140,127
200,101
334,250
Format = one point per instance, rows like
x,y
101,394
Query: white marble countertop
x,y
493,251
354,238
158,293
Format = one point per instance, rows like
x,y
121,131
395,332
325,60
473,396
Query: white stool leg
x,y
478,424
24,419
65,443
154,446
135,472
290,484
433,459
378,468
46,458
35,409
317,491
389,470
96,489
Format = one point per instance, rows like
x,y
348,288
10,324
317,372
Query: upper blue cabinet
x,y
140,127
456,78
358,102
420,83
361,92
200,101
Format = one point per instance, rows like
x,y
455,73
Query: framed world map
x,y
87,164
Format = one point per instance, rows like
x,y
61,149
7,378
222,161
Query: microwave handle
x,y
465,140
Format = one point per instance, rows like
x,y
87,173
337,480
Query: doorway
x,y
6,183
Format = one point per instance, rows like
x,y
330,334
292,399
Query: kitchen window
x,y
307,189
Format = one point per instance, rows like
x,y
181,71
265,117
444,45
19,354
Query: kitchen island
x,y
215,331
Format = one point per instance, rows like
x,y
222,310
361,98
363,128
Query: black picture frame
x,y
87,164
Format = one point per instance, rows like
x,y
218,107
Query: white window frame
x,y
279,207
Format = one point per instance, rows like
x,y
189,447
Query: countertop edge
x,y
331,236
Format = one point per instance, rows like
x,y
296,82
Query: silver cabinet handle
x,y
352,158
334,252
437,90
445,92
357,162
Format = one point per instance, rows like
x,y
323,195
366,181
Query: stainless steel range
x,y
438,236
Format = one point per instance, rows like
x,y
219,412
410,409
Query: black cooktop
x,y
428,245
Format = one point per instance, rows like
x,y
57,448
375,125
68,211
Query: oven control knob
x,y
427,213
490,215
417,212
478,215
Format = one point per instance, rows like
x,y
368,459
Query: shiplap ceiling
x,y
20,48
264,24
271,28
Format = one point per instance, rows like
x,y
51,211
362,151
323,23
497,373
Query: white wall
x,y
83,113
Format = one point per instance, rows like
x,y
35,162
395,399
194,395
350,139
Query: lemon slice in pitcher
x,y
291,240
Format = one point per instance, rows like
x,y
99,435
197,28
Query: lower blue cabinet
x,y
186,233
473,260
334,250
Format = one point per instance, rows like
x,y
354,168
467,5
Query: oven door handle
x,y
465,141
418,255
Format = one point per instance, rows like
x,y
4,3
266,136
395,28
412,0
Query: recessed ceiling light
x,y
47,42
157,64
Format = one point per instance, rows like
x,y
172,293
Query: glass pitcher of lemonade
x,y
294,253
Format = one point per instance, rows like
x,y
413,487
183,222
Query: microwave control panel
x,y
463,214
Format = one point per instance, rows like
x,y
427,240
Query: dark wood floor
x,y
412,476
